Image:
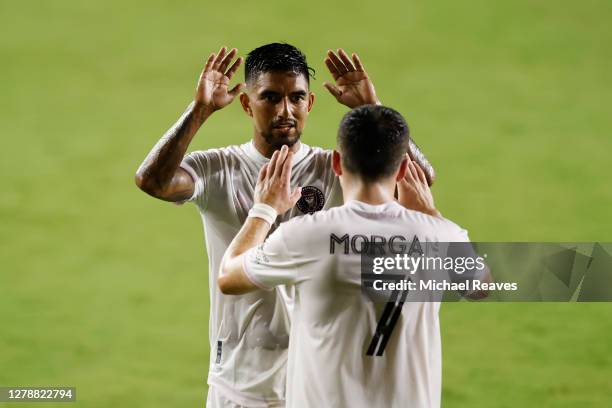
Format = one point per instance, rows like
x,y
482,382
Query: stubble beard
x,y
277,142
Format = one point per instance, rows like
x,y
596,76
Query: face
x,y
279,103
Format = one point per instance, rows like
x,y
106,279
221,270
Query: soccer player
x,y
249,335
332,322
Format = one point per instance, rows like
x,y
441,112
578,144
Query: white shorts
x,y
216,400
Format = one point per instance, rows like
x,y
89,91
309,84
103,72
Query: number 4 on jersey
x,y
387,322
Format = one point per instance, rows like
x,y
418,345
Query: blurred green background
x,y
106,289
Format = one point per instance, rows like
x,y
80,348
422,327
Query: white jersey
x,y
333,322
249,334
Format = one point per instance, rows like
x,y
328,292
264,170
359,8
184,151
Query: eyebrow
x,y
271,92
268,92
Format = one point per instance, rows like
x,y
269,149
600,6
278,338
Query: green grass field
x,y
106,289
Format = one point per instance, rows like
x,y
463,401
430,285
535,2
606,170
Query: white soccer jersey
x,y
333,322
249,334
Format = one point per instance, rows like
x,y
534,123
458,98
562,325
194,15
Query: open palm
x,y
353,86
213,91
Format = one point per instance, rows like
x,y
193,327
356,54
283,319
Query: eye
x,y
297,98
270,97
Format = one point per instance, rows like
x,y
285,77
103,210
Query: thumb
x,y
333,89
295,196
403,186
236,90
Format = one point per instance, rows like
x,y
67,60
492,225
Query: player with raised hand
x,y
353,87
212,90
248,335
160,175
336,355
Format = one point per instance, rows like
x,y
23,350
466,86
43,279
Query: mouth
x,y
284,126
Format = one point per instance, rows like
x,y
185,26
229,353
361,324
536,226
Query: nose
x,y
285,112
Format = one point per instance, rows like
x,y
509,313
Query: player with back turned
x,y
333,321
249,335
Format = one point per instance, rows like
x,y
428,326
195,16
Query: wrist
x,y
202,112
263,211
364,102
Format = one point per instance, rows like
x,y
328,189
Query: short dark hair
x,y
276,57
373,140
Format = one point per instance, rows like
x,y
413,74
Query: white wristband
x,y
263,211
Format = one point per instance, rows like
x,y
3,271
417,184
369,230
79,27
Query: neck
x,y
374,193
266,149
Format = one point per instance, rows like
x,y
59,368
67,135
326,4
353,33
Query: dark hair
x,y
373,140
276,57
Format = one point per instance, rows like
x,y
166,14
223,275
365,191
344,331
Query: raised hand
x,y
273,185
212,91
353,87
414,192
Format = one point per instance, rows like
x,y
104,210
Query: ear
x,y
336,163
311,99
245,101
401,172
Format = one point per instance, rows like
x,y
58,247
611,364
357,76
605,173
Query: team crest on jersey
x,y
312,200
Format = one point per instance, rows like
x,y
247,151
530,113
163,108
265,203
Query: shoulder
x,y
217,152
456,231
217,159
320,151
311,226
446,229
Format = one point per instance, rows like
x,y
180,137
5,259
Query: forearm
x,y
162,162
273,196
232,279
417,155
253,232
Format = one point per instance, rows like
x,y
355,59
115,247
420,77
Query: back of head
x,y
373,141
276,57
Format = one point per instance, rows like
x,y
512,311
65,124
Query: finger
x,y
207,67
280,161
228,58
358,64
403,188
230,72
209,62
333,89
408,177
286,172
272,164
346,60
413,171
218,59
421,174
296,195
262,173
332,68
337,62
236,90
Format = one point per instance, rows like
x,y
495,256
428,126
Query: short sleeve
x,y
461,249
270,264
198,167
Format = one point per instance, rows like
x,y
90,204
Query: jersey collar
x,y
252,152
361,206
